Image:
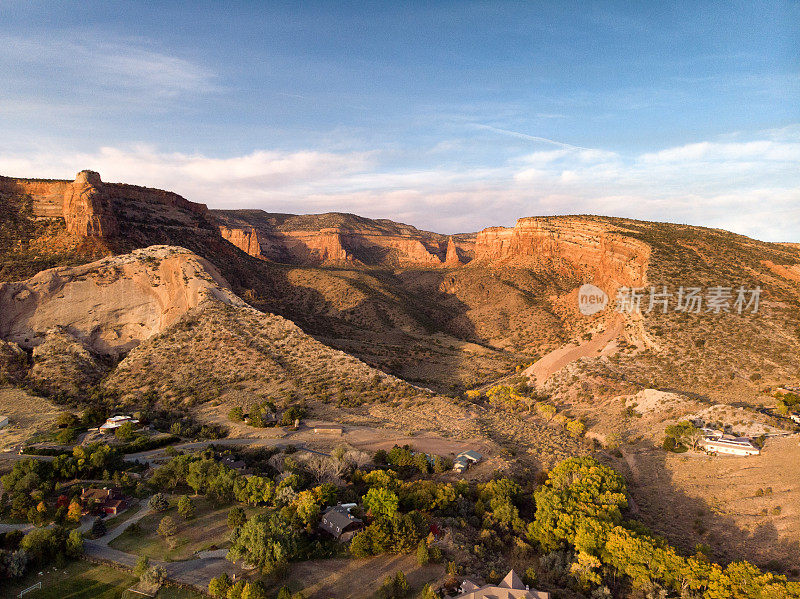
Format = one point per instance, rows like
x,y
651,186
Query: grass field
x,y
208,530
82,580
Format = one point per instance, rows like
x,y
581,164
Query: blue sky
x,y
449,116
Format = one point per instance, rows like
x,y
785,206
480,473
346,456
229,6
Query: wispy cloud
x,y
90,73
527,137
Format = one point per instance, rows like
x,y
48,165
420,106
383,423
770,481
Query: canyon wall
x,y
584,247
92,208
336,239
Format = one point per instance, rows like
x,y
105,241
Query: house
x,y
511,587
239,465
465,459
328,429
795,416
3,421
115,422
109,502
730,445
340,523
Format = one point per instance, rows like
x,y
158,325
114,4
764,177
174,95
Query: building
x,y
239,465
109,502
730,445
328,429
115,422
340,523
795,416
465,459
3,421
511,587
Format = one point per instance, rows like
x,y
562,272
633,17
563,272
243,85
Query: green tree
x,y
74,545
98,528
308,510
401,586
125,432
236,414
186,508
218,587
254,590
236,517
423,555
159,502
284,593
577,490
381,502
142,565
167,528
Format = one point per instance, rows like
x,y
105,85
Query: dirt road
x,y
548,365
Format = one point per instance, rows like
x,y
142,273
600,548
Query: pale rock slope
x,y
113,304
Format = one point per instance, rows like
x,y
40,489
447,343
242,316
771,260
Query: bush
x,y
159,502
236,414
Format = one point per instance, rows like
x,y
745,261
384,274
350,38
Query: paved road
x,y
112,534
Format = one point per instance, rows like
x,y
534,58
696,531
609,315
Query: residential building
x,y
117,421
511,587
730,445
239,465
795,416
109,502
465,459
328,429
339,522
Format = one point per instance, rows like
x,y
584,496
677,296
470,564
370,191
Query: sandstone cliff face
x,y
336,238
113,304
585,248
91,208
87,207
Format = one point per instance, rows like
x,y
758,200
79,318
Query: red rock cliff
x,y
92,208
580,246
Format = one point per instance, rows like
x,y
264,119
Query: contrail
x,y
530,137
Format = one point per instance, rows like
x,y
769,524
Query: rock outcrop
x,y
585,248
87,207
451,257
113,304
92,208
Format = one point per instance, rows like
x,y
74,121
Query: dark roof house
x,y
338,521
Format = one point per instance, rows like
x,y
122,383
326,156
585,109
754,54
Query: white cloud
x,y
751,185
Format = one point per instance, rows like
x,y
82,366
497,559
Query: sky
x,y
450,116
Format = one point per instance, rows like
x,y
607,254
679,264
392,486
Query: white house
x,y
730,445
795,416
117,421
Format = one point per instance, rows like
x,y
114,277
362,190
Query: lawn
x,y
208,530
82,580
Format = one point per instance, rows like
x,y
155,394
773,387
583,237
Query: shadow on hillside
x,y
688,520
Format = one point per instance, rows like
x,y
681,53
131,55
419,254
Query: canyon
x,y
583,248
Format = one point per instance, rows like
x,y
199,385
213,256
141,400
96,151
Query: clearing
x,y
208,530
342,578
27,415
84,580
